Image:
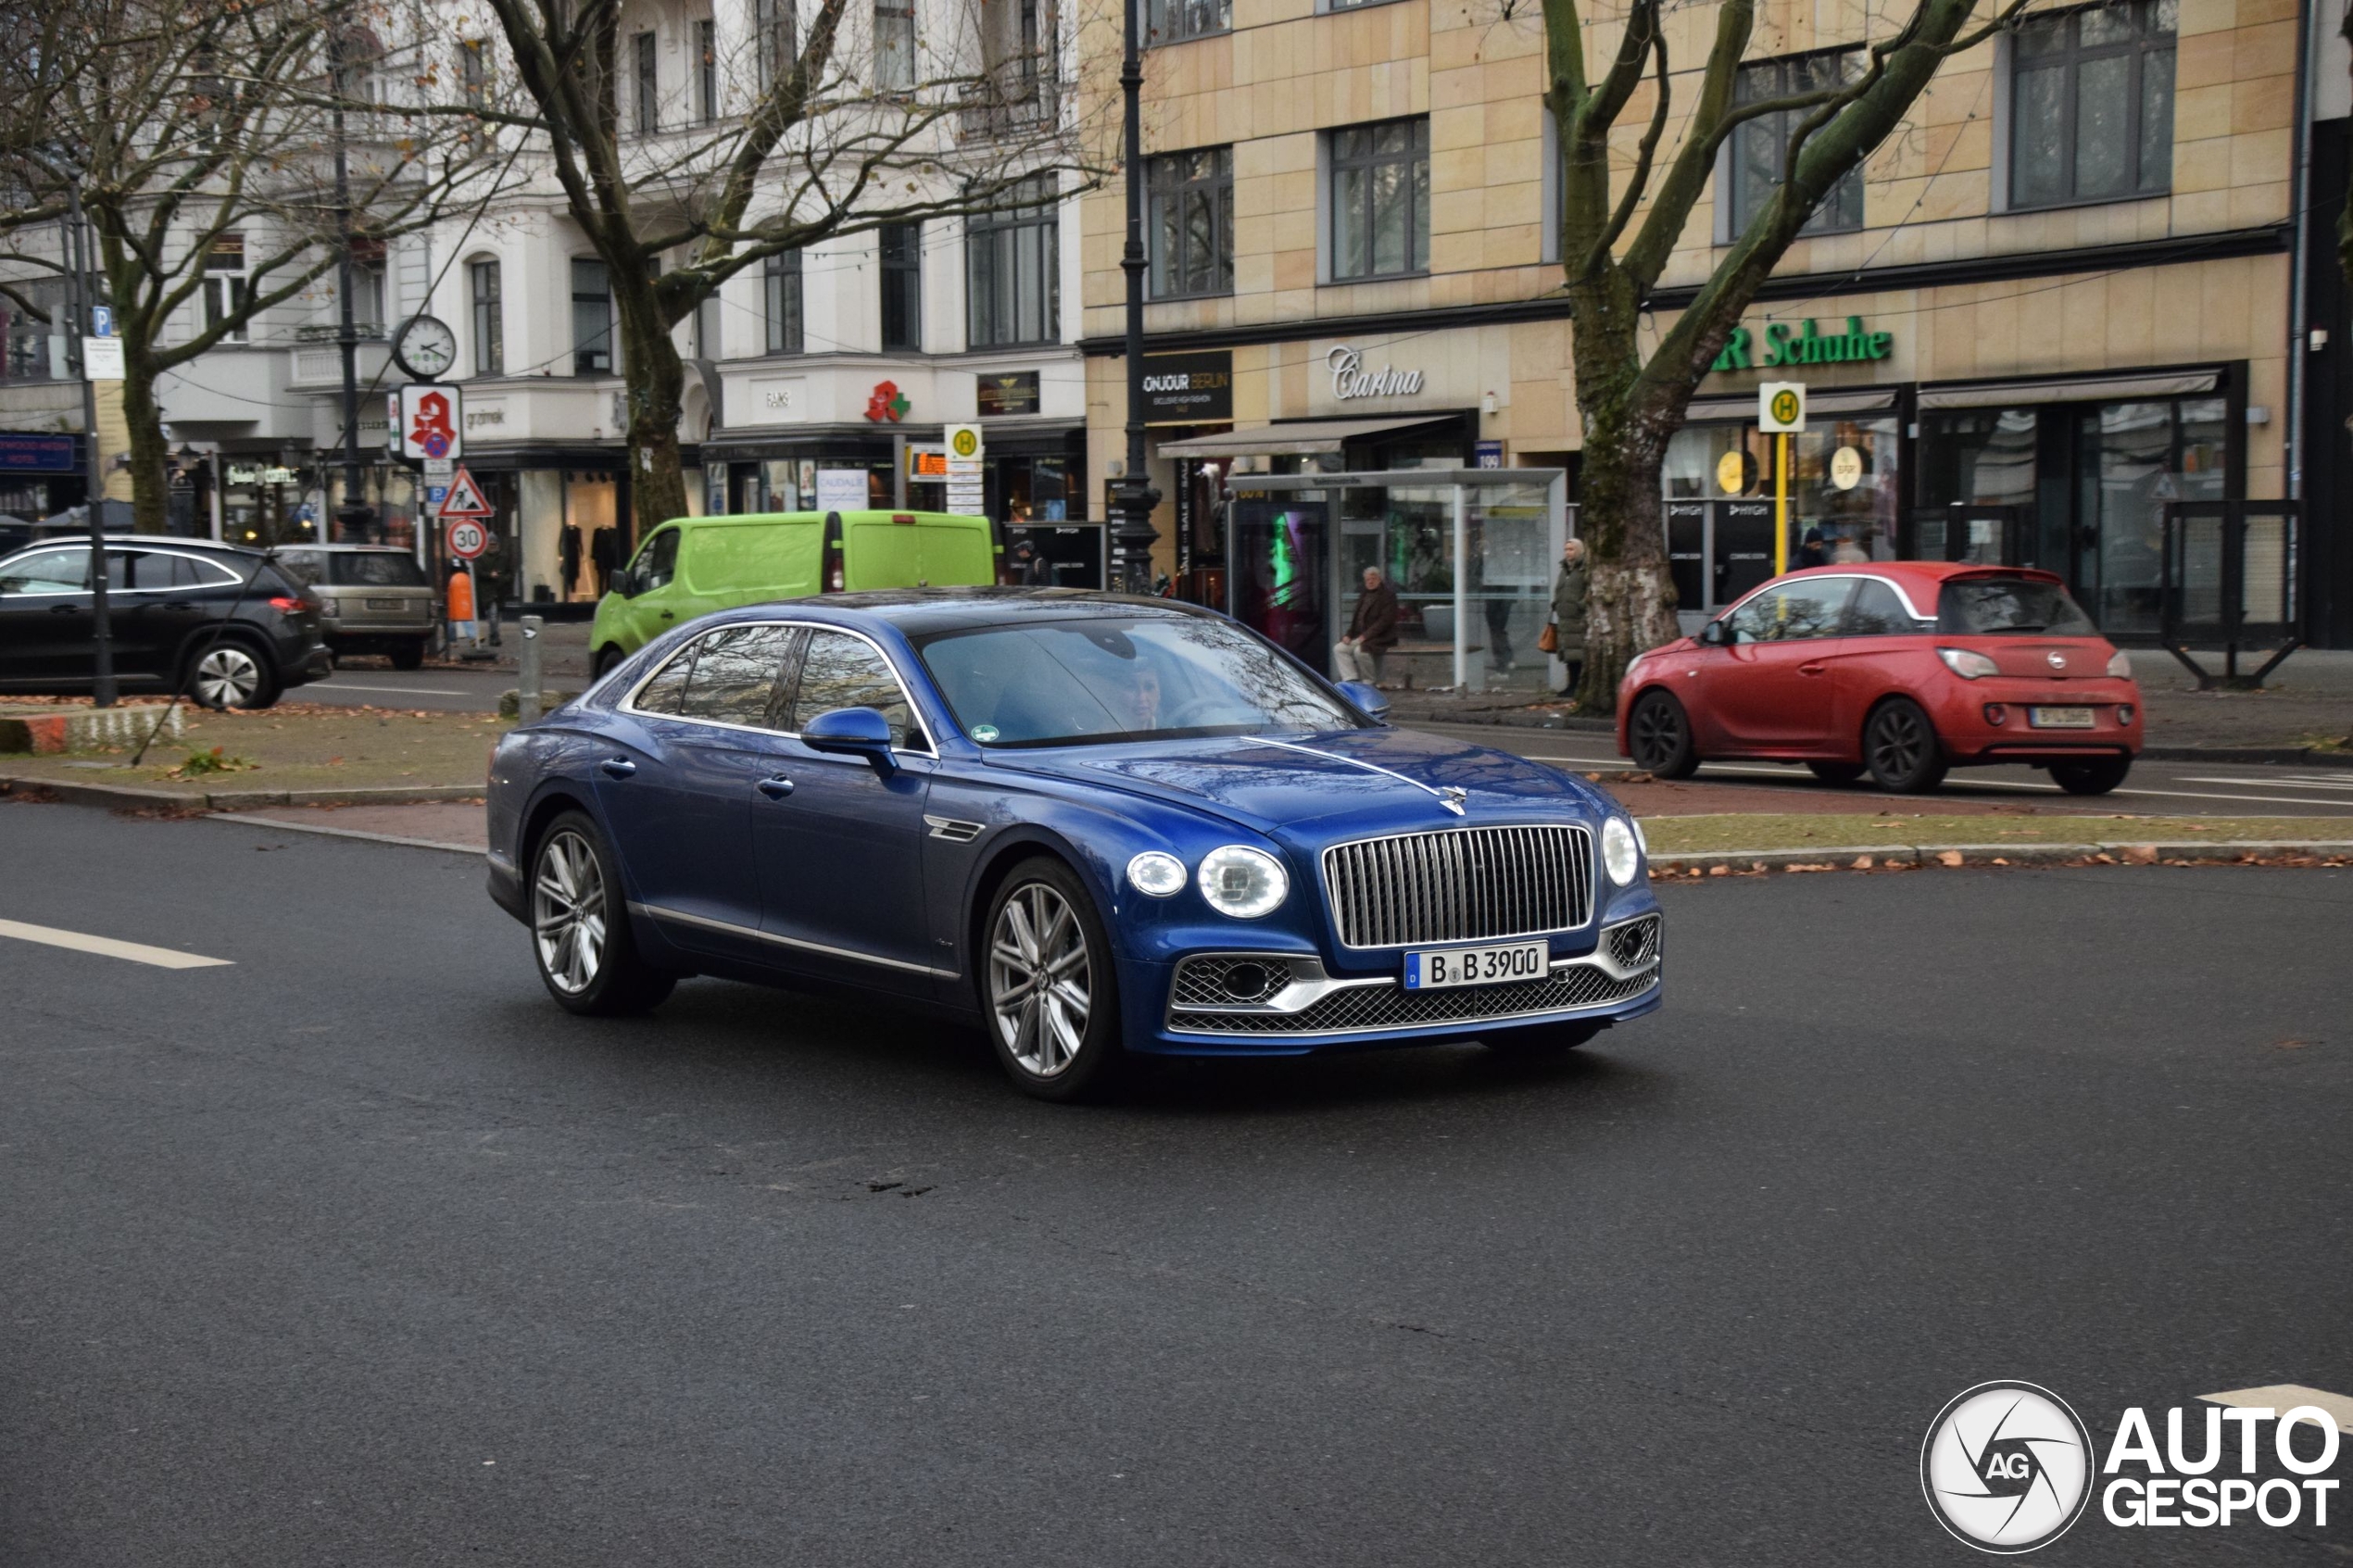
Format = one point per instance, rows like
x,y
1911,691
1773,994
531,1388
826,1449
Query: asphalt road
x,y
2155,788
357,1251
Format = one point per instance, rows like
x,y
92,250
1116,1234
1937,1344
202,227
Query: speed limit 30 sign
x,y
467,538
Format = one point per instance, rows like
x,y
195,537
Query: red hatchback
x,y
1898,669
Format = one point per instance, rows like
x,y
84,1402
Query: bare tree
x,y
816,139
1623,211
191,130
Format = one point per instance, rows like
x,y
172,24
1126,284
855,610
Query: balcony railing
x,y
1012,101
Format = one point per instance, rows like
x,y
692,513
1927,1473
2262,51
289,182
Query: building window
x,y
782,278
895,45
707,71
591,317
903,285
1173,21
224,284
490,326
1013,269
1381,200
473,73
24,337
1189,223
368,286
1759,145
778,25
709,340
648,84
2092,106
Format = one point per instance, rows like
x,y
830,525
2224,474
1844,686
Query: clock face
x,y
426,347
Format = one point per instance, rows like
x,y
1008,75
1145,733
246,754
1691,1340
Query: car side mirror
x,y
624,582
1715,633
1368,698
852,731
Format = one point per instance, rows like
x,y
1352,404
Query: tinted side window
x,y
189,572
308,566
46,571
661,694
840,670
658,562
1792,611
374,568
1878,612
2023,605
735,674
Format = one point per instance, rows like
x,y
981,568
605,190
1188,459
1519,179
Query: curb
x,y
326,831
75,793
1865,857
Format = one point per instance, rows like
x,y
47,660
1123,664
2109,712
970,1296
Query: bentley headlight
x,y
1242,882
1620,853
1161,875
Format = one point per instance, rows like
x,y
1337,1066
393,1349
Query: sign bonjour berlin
x,y
1783,343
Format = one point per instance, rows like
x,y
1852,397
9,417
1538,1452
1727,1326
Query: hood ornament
x,y
1451,797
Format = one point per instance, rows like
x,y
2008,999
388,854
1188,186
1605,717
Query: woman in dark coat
x,y
1568,612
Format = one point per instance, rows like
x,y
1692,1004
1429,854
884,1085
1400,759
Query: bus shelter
x,y
1471,552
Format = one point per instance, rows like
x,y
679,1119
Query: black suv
x,y
222,622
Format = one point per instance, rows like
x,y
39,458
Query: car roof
x,y
917,613
143,541
1927,573
353,549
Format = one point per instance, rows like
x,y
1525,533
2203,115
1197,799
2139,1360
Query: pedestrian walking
x,y
1568,613
1372,631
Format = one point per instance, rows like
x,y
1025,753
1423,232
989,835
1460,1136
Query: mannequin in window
x,y
603,545
568,555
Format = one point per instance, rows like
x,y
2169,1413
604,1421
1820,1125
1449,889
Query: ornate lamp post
x,y
1133,536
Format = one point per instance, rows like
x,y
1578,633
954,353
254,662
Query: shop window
x,y
649,83
1173,21
1014,270
1755,157
490,327
780,282
706,71
2131,459
1189,223
591,317
1379,199
224,284
2091,105
895,45
903,285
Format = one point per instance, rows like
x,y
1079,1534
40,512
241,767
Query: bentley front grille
x,y
1467,885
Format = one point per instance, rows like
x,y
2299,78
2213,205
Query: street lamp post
x,y
103,689
1134,537
355,517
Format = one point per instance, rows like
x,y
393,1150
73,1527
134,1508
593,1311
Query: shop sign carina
x,y
1349,378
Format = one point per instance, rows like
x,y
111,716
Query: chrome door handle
x,y
776,788
618,767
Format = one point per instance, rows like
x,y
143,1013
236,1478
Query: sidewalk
x,y
2307,704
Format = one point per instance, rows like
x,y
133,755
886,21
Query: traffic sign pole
x,y
1780,409
1781,503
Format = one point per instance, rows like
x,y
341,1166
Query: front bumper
x,y
1287,1003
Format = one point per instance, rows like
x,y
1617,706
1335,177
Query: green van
x,y
692,566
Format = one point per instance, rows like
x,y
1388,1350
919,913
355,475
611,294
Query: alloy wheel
x,y
568,913
1898,742
1659,732
227,677
1040,983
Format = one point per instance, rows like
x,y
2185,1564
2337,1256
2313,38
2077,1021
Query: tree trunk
x,y
1629,599
657,382
150,458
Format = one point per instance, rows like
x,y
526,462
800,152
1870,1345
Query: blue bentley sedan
x,y
1092,825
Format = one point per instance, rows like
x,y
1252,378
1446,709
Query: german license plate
x,y
387,603
1438,968
2059,718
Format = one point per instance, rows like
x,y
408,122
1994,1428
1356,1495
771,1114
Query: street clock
x,y
425,348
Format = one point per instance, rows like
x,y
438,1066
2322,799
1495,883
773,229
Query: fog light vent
x,y
1248,982
2124,713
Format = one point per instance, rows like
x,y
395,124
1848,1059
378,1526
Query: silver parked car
x,y
373,599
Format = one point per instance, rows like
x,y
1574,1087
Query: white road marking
x,y
80,941
2285,1396
2257,799
2289,783
405,691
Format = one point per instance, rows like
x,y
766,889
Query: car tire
x,y
232,672
1042,921
2095,777
408,656
581,940
1901,748
1658,737
1839,773
607,658
1544,1041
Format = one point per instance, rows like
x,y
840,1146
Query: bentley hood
x,y
1331,785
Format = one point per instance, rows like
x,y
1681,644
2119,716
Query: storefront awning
x,y
1860,400
2079,389
1268,441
